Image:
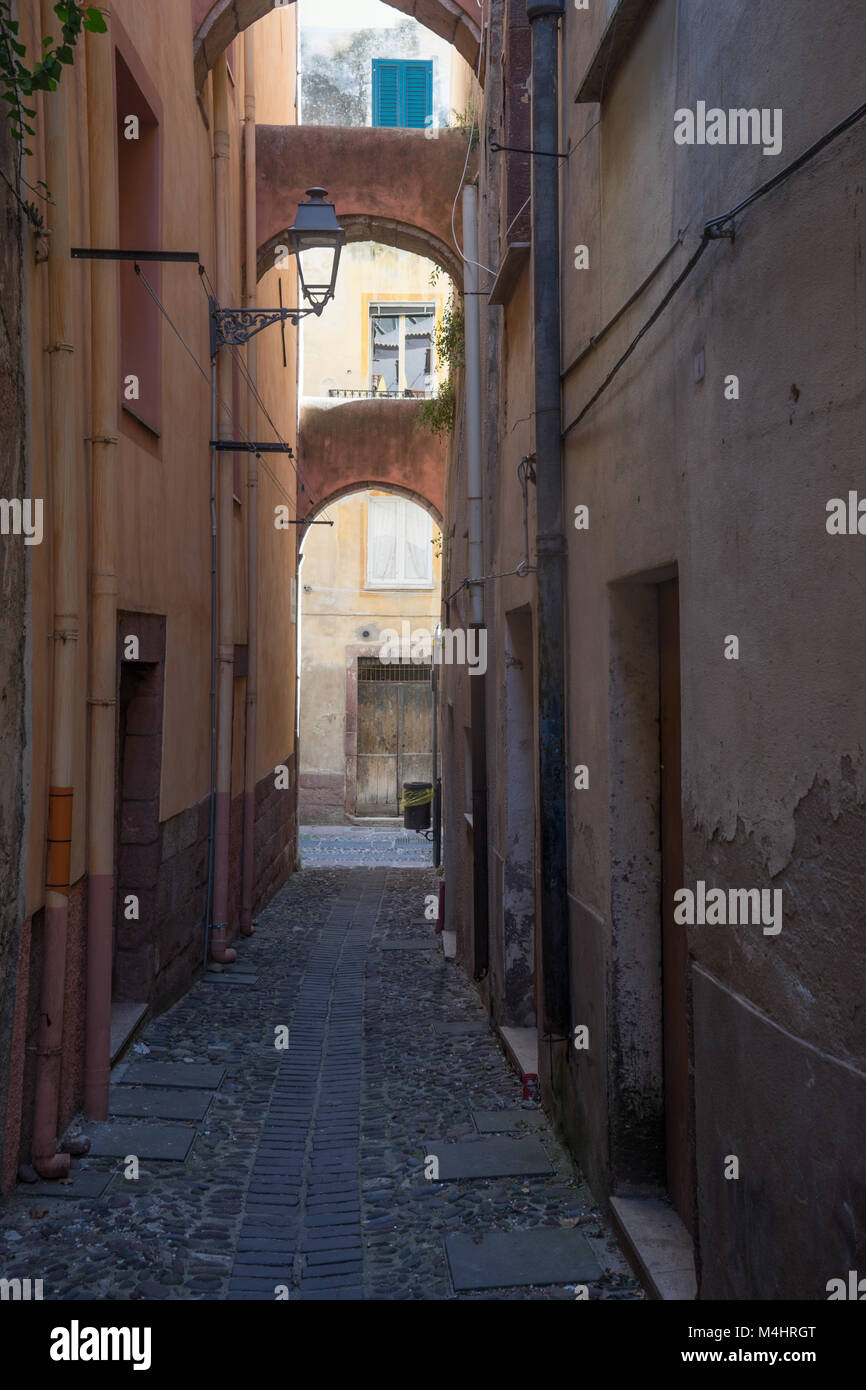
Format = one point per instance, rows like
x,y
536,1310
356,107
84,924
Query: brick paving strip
x,y
301,1226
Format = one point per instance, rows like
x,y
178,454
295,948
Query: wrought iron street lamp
x,y
315,237
317,231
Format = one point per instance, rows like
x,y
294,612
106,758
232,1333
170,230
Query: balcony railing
x,y
347,393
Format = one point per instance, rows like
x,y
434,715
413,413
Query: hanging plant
x,y
19,82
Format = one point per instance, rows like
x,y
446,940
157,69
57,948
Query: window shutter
x,y
386,93
402,93
419,94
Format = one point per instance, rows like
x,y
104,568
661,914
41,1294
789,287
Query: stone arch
x,y
346,445
376,484
392,186
390,233
217,23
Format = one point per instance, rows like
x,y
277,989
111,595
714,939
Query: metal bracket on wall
x,y
82,253
520,149
233,327
237,446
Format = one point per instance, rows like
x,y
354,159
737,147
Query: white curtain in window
x,y
382,520
419,551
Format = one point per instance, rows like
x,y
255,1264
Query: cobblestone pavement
x,y
332,846
307,1171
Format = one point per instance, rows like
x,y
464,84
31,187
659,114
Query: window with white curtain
x,y
399,544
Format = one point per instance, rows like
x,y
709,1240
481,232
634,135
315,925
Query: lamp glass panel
x,y
316,263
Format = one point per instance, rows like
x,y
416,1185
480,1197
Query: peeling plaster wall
x,y
731,497
734,494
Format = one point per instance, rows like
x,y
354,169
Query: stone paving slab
x,y
519,1258
489,1158
159,1103
410,943
190,1075
230,977
88,1184
499,1121
111,1140
460,1030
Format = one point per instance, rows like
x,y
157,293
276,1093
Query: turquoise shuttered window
x,y
402,93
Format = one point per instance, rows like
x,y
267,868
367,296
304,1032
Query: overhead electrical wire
x,y
227,408
715,229
299,475
457,245
298,472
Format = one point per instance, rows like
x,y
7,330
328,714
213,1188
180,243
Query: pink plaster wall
x,y
368,443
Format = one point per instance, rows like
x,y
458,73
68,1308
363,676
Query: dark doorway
x,y
679,1138
139,766
517,967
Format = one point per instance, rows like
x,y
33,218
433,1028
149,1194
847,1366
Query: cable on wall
x,y
715,229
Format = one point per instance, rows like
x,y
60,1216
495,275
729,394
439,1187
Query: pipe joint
x,y
552,543
104,582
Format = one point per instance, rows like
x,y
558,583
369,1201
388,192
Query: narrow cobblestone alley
x,y
306,1170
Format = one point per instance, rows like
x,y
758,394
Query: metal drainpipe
x,y
248,864
61,442
437,784
103,564
477,683
544,17
219,948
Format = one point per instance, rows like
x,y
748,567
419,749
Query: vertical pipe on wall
x,y
471,317
544,17
212,707
477,683
219,948
437,781
248,868
101,127
61,441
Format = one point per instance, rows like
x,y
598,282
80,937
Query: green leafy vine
x,y
437,414
19,82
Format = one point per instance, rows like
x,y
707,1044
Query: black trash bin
x,y
417,803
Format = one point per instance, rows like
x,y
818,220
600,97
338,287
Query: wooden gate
x,y
395,733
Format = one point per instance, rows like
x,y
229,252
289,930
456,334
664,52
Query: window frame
x,y
402,309
372,581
